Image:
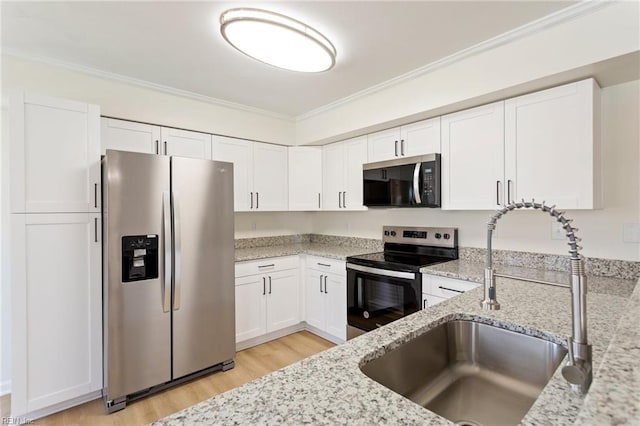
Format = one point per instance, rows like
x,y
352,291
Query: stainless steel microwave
x,y
403,182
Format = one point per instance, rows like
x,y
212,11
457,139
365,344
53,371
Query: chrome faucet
x,y
578,371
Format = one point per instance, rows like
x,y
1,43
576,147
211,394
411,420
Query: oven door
x,y
376,297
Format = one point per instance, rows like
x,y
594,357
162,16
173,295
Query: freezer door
x,y
204,293
137,312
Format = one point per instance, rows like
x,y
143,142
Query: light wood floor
x,y
250,364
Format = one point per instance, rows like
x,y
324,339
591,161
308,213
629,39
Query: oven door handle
x,y
416,183
382,272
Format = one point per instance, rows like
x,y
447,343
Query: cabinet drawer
x,y
267,265
325,264
446,287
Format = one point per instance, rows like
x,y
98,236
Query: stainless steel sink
x,y
470,373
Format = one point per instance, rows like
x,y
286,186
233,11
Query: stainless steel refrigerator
x,y
168,285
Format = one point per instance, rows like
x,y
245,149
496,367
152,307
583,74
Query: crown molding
x,y
144,84
564,15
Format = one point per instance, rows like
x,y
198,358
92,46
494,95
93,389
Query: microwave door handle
x,y
416,183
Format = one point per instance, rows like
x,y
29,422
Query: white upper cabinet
x,y
55,155
342,174
305,178
259,173
543,146
552,146
184,143
122,135
473,158
270,177
240,153
413,139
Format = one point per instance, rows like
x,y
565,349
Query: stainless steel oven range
x,y
383,287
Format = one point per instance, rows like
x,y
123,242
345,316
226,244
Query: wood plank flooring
x,y
250,364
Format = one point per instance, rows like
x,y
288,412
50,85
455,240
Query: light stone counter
x,y
316,249
329,388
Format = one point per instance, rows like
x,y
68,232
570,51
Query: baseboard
x,y
285,332
38,414
5,387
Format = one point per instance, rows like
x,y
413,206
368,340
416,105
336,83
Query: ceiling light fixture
x,y
277,40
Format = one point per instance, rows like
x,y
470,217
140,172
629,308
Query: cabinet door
x,y
57,310
421,138
125,135
54,155
336,305
250,307
314,299
240,153
384,145
305,178
355,155
551,147
283,299
332,176
270,178
473,158
184,143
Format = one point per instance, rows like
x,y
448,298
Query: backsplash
x,y
594,266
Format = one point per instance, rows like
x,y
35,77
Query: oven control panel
x,y
422,236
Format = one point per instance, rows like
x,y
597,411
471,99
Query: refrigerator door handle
x,y
166,222
177,279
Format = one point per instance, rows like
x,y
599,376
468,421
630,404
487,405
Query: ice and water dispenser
x,y
139,257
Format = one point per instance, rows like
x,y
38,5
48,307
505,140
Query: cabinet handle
x,y
95,195
157,146
321,283
269,284
344,199
251,196
257,200
509,191
165,147
402,147
271,265
339,200
95,229
264,286
396,149
450,289
424,304
324,264
325,285
498,192
318,200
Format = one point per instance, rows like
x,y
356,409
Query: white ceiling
x,y
178,44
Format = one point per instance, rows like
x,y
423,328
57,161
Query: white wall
x,y
267,224
600,230
607,32
122,100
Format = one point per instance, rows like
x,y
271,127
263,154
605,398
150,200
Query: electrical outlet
x,y
557,231
631,233
253,226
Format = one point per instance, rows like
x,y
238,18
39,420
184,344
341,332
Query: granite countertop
x,y
329,388
339,252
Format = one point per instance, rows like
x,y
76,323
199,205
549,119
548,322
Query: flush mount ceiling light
x,y
277,40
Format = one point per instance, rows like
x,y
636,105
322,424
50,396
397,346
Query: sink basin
x,y
470,373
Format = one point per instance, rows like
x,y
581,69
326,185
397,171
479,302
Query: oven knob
x,y
447,236
386,233
438,236
365,314
393,233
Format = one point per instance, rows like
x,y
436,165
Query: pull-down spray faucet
x,y
578,371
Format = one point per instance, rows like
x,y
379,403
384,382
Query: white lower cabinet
x,y
326,296
436,289
56,309
268,301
